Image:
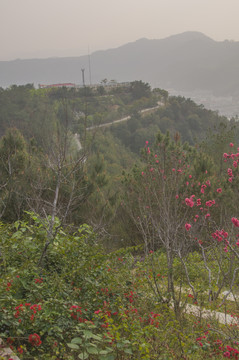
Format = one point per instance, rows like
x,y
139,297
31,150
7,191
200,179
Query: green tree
x,y
13,167
163,94
139,89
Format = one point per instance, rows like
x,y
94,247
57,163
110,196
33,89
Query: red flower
x,y
34,339
38,281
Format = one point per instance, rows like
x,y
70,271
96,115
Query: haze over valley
x,y
190,64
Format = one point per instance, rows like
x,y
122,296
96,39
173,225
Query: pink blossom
x,y
196,217
190,176
231,144
235,164
224,233
220,235
176,196
225,155
146,142
235,221
188,226
207,215
209,203
227,354
229,171
189,202
219,190
230,179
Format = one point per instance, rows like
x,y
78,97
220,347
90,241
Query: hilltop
x,y
185,62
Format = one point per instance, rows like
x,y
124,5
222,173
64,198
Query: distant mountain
x,y
188,61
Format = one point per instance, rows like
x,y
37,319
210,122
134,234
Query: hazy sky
x,y
45,28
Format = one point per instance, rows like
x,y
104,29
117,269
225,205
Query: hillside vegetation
x,y
111,235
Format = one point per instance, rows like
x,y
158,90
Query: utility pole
x,y
83,76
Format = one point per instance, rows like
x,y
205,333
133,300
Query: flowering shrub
x,y
176,196
129,304
34,340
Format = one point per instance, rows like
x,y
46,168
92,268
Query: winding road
x,y
144,111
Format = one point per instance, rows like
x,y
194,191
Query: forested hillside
x,y
112,234
38,126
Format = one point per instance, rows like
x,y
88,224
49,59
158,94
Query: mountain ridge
x,y
186,61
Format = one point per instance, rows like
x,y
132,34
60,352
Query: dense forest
x,y
118,225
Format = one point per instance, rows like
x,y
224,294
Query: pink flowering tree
x,y
156,202
214,228
180,206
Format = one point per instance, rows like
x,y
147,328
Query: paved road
x,y
124,118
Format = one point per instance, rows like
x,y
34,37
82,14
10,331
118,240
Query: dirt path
x,y
6,353
222,318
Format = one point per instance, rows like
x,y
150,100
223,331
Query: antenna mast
x,y
83,76
89,64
